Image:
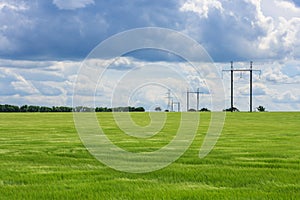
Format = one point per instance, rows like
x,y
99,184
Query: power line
x,y
171,102
232,70
188,98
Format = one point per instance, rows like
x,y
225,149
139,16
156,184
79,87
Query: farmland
x,y
256,157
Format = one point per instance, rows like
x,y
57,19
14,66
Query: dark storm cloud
x,y
41,30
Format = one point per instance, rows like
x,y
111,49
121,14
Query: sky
x,y
44,44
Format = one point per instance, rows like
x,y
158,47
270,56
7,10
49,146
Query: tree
x,y
24,108
157,109
99,109
9,108
45,109
139,109
33,108
233,109
261,109
204,110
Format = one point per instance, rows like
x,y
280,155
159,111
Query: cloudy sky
x,y
44,43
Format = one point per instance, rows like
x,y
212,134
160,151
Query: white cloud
x,y
275,74
13,22
283,8
24,64
201,7
287,97
71,4
282,72
37,82
281,37
13,5
48,88
17,83
268,30
258,89
279,19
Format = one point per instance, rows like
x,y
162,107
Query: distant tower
x,y
169,99
188,98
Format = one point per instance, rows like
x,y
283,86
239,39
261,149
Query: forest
x,y
34,108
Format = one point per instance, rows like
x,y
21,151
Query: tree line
x,y
33,108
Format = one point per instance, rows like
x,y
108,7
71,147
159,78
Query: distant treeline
x,y
32,108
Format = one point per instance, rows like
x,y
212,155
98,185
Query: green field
x,y
256,157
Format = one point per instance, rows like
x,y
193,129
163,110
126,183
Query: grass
x,y
256,157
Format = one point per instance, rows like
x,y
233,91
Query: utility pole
x,y
178,106
171,102
188,98
169,99
197,99
251,81
251,85
231,88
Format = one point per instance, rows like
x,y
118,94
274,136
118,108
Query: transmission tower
x,y
171,102
169,99
231,80
188,98
177,103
